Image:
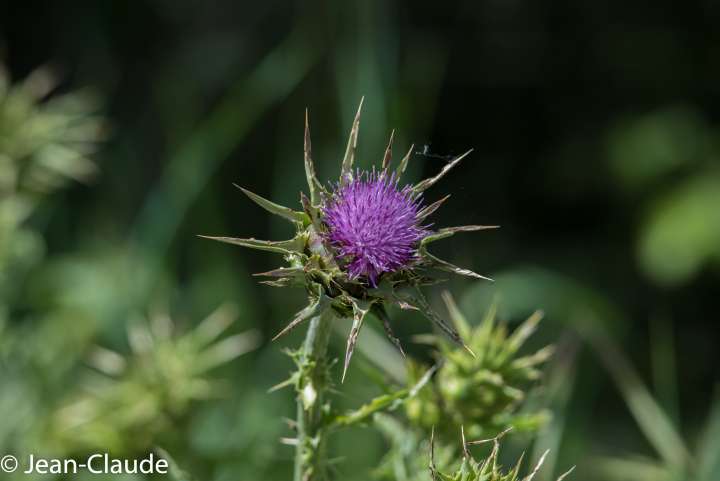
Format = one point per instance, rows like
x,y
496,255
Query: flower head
x,y
362,246
374,224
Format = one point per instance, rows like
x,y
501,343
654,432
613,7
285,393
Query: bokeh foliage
x,y
595,131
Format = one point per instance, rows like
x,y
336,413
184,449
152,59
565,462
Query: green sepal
x,y
428,210
437,263
349,158
404,162
446,232
313,184
427,183
288,247
277,209
282,272
387,157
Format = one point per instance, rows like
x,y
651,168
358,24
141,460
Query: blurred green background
x,y
596,129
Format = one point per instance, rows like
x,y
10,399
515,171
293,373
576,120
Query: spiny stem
x,y
310,456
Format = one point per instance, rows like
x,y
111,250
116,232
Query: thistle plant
x,y
45,140
482,392
127,401
481,395
361,245
487,470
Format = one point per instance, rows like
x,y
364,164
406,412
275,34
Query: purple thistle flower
x,y
374,224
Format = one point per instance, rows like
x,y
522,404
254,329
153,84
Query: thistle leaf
x,y
349,159
360,310
313,183
312,310
387,402
427,183
387,158
404,162
273,208
286,247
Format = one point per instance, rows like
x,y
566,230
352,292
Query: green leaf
x,y
385,402
427,183
291,246
651,418
446,232
349,159
273,208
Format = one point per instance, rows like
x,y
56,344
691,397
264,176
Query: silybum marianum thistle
x,y
361,243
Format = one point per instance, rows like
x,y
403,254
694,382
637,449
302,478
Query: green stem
x,y
310,456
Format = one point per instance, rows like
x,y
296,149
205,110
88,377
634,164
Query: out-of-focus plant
x,y
361,244
677,462
480,392
670,158
45,140
130,400
487,470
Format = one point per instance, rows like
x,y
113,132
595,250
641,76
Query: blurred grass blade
x,y
651,418
664,365
632,470
709,446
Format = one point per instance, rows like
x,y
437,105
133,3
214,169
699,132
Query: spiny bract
x,y
362,245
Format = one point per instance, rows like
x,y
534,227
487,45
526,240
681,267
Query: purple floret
x,y
374,224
